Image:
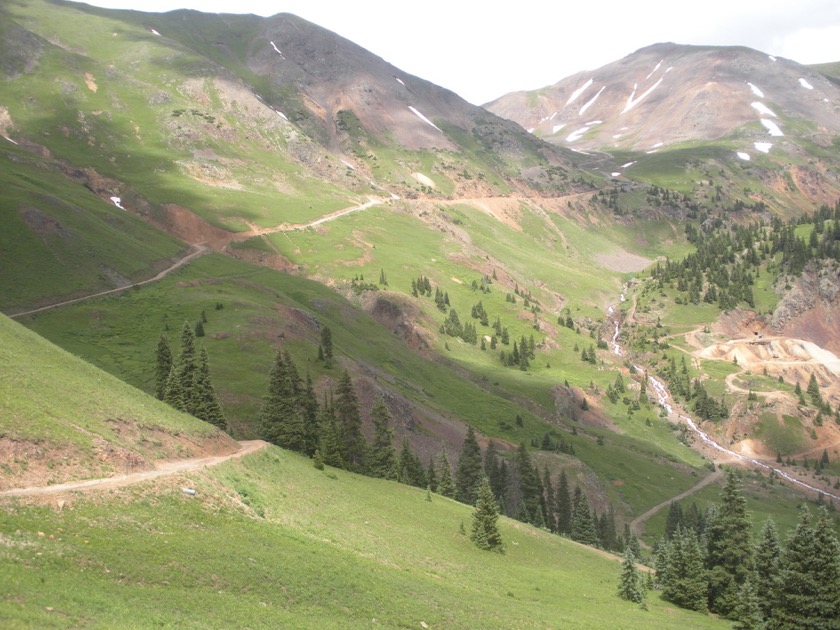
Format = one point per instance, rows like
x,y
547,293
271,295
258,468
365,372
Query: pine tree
x,y
493,471
530,493
382,461
747,613
469,472
583,527
327,346
631,584
187,367
684,580
431,476
174,394
729,548
206,406
549,501
349,419
163,366
563,506
280,420
409,469
808,596
768,557
330,440
446,486
485,528
308,404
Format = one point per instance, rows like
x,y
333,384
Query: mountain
x,y
768,112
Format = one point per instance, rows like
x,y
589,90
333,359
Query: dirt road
x,y
638,523
198,250
162,470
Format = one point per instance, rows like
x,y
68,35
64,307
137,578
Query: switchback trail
x,y
163,469
198,250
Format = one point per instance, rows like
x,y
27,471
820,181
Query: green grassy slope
x,y
75,413
268,541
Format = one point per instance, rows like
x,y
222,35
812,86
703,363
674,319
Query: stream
x,y
664,399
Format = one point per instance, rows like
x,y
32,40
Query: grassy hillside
x,y
61,418
269,541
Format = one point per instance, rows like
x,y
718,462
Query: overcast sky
x,y
482,51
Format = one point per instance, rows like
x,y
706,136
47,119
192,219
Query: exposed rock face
x,y
811,307
399,317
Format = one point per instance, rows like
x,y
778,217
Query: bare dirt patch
x,y
623,261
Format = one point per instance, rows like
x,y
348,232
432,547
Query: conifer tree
x,y
631,583
174,394
349,419
563,507
684,580
308,403
431,476
330,437
187,367
206,406
446,486
768,557
280,419
729,548
485,532
747,612
383,461
548,502
469,472
409,469
163,366
327,346
530,493
583,527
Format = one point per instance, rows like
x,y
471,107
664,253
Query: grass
x,y
333,550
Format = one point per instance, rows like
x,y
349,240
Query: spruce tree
x,y
330,437
280,420
583,527
485,528
409,469
163,366
548,502
308,403
684,578
174,394
446,486
207,405
469,472
768,557
747,612
327,346
530,493
382,461
631,583
187,367
353,444
563,506
729,548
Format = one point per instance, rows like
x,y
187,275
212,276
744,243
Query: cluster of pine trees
x,y
693,392
710,562
184,383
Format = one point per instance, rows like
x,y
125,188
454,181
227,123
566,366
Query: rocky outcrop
x,y
810,308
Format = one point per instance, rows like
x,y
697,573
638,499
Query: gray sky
x,y
481,50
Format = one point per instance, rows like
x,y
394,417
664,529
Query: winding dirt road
x,y
163,469
198,250
638,523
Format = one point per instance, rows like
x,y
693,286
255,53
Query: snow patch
x,y
628,164
348,165
592,100
654,70
423,118
577,135
805,84
400,81
117,202
771,57
281,114
557,128
277,50
744,156
578,92
756,90
657,145
531,130
10,140
764,147
154,32
617,136
615,174
552,116
761,108
632,101
772,127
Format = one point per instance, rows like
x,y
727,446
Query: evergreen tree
x,y
631,542
187,367
431,476
327,346
469,473
768,557
174,394
563,506
485,528
330,440
747,613
409,469
206,404
446,486
583,527
496,473
308,404
530,493
729,548
808,596
163,366
631,583
549,502
684,580
382,461
349,419
674,519
280,420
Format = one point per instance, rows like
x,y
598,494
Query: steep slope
x,y
62,419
